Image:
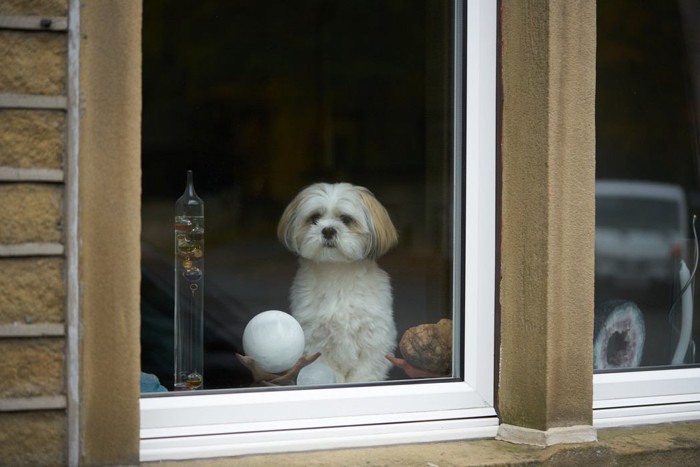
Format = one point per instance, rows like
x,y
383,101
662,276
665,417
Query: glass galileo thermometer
x,y
189,289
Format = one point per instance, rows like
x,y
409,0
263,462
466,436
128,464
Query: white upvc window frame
x,y
271,420
646,396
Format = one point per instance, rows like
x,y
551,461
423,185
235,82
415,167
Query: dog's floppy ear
x,y
285,228
383,232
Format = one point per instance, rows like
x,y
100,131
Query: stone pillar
x,y
109,227
548,221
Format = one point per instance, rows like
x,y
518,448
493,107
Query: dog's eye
x,y
313,219
347,220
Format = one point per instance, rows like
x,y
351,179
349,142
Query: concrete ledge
x,y
34,23
31,249
15,174
32,330
551,437
32,101
25,404
676,444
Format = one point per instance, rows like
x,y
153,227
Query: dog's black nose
x,y
328,232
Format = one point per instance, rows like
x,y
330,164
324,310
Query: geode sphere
x,y
429,346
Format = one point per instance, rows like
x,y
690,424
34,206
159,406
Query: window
x,y
268,100
647,108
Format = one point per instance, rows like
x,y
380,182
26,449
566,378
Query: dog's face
x,y
336,223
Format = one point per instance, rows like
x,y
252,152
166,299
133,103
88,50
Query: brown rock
x,y
429,346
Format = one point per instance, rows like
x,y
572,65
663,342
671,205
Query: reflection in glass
x,y
641,229
648,184
261,102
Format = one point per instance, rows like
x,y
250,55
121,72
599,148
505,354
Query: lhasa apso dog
x,y
339,295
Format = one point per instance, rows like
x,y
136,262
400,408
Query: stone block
x,y
34,7
32,291
33,62
33,438
32,367
31,213
32,138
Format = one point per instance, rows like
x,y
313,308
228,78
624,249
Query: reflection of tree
x,y
644,111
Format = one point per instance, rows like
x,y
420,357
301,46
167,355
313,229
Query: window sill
x,y
670,444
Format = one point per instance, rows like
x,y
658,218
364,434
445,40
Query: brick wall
x,y
33,142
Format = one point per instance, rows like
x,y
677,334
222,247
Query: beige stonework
x,y
33,438
547,242
34,7
33,63
34,426
32,290
31,213
32,138
32,367
110,169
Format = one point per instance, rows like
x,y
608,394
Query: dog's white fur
x,y
339,295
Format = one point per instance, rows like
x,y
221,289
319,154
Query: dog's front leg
x,y
370,367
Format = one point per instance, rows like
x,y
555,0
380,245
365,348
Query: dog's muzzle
x,y
329,234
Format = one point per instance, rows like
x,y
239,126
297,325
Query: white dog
x,y
339,295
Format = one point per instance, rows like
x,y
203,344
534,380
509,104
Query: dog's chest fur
x,y
345,310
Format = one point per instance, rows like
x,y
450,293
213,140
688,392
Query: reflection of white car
x,y
641,229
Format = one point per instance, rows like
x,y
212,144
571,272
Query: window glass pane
x,y
262,99
647,191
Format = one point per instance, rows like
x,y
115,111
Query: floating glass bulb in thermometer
x,y
189,289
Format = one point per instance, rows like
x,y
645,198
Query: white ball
x,y
274,339
316,373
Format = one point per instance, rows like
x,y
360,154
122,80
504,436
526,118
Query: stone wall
x,y
33,108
